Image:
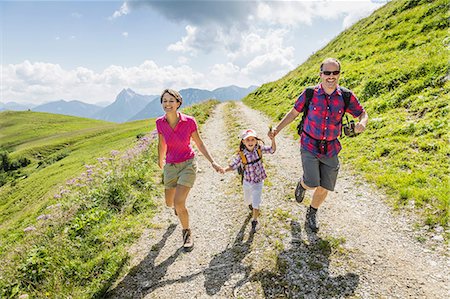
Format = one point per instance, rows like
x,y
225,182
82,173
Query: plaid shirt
x,y
324,120
253,173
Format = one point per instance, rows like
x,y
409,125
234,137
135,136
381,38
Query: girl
x,y
251,149
175,131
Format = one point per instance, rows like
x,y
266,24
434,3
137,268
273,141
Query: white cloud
x,y
41,82
124,10
125,34
76,15
187,43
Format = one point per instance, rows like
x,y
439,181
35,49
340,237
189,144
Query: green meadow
x,y
396,62
69,214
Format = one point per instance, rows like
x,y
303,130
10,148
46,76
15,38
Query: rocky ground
x,y
363,248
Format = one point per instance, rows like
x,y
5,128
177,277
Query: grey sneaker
x,y
255,226
311,219
188,242
299,192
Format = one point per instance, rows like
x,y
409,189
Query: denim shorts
x,y
183,173
319,171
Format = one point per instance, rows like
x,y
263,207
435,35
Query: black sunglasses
x,y
331,72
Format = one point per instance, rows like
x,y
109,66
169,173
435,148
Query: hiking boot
x,y
311,219
250,207
255,226
299,192
188,242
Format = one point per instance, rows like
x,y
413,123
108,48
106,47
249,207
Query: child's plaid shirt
x,y
253,173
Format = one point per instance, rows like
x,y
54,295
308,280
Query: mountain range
x,y
131,106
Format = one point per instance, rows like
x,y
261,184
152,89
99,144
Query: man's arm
x,y
287,119
361,125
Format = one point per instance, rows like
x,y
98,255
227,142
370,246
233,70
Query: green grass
x,y
66,227
396,62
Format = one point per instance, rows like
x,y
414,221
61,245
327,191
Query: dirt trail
x,y
362,249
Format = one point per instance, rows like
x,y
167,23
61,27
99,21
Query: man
x,y
321,128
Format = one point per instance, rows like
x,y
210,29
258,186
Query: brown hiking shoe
x,y
188,242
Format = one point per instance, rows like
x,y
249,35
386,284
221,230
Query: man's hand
x,y
359,128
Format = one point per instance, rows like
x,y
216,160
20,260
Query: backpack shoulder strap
x,y
309,91
346,94
243,157
259,150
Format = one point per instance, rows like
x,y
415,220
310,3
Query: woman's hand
x,y
217,167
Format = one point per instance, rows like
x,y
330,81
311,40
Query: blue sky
x,y
91,50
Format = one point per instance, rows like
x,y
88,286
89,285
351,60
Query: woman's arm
x,y
162,148
274,144
202,148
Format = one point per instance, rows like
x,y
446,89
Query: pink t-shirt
x,y
178,140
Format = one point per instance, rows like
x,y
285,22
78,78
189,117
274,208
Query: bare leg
x,y
181,193
255,214
169,195
306,187
319,197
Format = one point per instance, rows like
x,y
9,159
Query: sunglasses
x,y
327,73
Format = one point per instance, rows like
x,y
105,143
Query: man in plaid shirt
x,y
319,139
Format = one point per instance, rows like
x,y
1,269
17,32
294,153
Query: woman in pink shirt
x,y
175,131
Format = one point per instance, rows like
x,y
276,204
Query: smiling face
x,y
329,74
250,142
169,103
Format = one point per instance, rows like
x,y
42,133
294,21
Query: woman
x,y
175,131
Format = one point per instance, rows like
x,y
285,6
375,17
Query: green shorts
x,y
183,173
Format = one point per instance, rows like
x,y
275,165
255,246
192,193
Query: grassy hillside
x,y
68,217
396,61
58,147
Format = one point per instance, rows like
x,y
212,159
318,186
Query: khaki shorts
x,y
183,173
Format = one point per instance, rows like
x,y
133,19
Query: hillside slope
x,y
58,148
396,62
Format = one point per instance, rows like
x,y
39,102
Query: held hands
x,y
272,132
217,167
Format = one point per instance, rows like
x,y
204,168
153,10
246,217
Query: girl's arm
x,y
202,148
229,168
274,144
162,148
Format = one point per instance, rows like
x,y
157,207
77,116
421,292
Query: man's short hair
x,y
332,60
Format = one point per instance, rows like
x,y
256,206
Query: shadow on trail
x,y
229,262
146,271
219,271
303,271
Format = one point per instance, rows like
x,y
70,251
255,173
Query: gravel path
x,y
363,249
